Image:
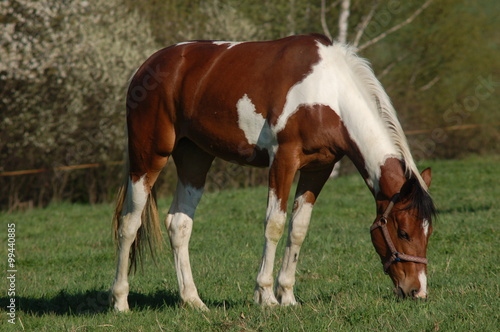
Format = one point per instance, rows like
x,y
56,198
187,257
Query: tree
x,y
432,57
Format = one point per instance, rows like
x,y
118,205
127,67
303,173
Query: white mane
x,y
366,78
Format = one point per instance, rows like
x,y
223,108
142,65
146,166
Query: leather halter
x,y
395,255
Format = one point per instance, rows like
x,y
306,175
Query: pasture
x,y
65,264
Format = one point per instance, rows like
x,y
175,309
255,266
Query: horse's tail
x,y
120,200
149,233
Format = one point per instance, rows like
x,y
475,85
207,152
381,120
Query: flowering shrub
x,y
63,74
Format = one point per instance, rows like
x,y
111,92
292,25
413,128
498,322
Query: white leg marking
x,y
422,292
299,224
179,224
275,223
131,221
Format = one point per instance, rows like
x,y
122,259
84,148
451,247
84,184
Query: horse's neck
x,y
383,174
391,179
368,132
366,113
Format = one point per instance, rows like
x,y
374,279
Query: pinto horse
x,y
295,104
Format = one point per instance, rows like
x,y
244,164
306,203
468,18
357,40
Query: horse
x,y
295,105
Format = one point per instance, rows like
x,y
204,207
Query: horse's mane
x,y
418,199
364,73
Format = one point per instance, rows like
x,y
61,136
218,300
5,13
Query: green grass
x,y
65,263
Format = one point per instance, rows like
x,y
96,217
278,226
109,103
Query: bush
x,y
63,76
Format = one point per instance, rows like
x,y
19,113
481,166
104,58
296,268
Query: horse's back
x,y
195,89
194,72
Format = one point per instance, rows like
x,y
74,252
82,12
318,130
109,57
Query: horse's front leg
x,y
297,231
280,180
310,184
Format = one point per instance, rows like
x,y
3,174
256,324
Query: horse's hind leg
x,y
133,204
136,193
192,166
309,186
145,165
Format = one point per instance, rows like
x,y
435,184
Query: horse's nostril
x,y
399,292
419,295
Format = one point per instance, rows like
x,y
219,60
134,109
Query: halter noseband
x,y
395,255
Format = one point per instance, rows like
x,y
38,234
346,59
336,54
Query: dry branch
x,y
396,27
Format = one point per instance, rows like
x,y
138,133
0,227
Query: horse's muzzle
x,y
412,294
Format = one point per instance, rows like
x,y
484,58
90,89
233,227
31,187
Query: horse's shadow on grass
x,y
89,302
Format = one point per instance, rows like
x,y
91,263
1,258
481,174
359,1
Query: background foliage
x,y
64,66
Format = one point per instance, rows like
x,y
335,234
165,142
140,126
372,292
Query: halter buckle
x,y
396,257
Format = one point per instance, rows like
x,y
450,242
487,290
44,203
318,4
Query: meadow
x,y
65,263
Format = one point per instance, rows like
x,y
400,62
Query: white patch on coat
x,y
229,43
332,82
255,126
251,122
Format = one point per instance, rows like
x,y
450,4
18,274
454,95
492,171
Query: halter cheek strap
x,y
395,256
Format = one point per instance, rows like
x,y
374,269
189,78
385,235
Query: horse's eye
x,y
403,235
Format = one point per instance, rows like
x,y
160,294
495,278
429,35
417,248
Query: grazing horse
x,y
295,104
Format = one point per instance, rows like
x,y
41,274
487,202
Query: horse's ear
x,y
408,187
427,175
412,183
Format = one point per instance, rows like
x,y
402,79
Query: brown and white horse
x,y
296,104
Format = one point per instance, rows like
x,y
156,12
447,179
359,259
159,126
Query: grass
x,y
65,263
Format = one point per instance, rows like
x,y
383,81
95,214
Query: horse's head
x,y
400,235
